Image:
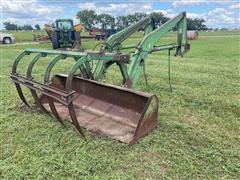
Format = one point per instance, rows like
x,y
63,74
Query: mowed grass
x,y
197,136
27,36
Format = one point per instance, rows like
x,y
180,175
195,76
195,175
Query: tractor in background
x,y
64,34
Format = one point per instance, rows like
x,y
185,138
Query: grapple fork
x,y
117,112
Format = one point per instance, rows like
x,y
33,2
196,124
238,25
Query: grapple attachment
x,y
114,111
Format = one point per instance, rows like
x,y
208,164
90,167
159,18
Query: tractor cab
x,y
64,24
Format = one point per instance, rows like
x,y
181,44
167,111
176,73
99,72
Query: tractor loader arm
x,y
48,29
148,45
118,38
148,42
78,28
114,43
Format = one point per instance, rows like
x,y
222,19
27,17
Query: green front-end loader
x,y
81,98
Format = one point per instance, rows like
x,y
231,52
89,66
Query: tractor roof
x,y
57,20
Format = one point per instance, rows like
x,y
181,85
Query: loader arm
x,y
148,45
114,43
48,29
118,38
131,72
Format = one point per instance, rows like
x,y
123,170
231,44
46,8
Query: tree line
x,y
13,26
89,19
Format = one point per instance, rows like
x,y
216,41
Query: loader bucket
x,y
120,113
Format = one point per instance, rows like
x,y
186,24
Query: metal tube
x,y
165,47
129,46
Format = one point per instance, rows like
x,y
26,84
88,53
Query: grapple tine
x,y
72,113
70,106
38,102
74,120
77,65
29,76
46,80
14,71
54,110
20,93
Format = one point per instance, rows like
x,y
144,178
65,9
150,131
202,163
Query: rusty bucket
x,y
120,113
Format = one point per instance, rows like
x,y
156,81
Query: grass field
x,y
26,36
198,132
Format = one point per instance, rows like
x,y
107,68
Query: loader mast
x,y
148,45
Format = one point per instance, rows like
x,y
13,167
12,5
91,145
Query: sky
x,y
216,13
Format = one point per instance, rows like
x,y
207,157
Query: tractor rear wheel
x,y
55,40
77,40
77,37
